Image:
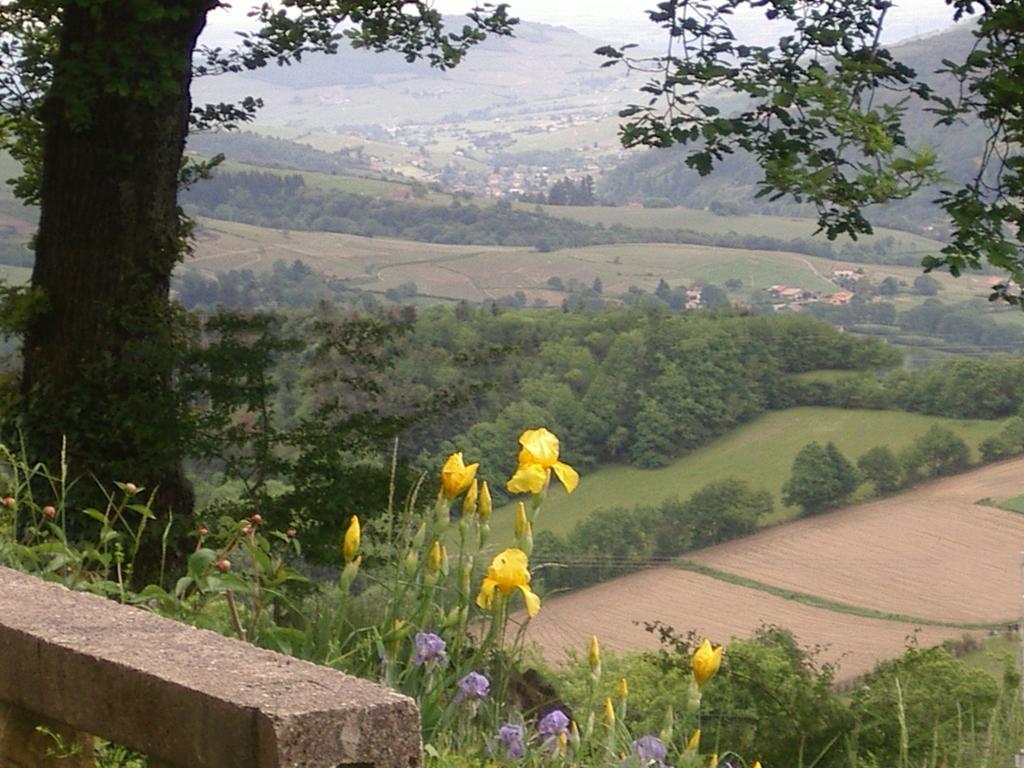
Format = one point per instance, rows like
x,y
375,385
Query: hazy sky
x,y
624,20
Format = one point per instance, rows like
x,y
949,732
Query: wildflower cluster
x,y
404,610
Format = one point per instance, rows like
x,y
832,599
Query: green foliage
x,y
937,452
724,510
822,478
596,549
980,388
776,701
809,116
926,286
910,706
844,152
285,201
882,468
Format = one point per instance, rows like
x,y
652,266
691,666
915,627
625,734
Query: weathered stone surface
x,y
189,697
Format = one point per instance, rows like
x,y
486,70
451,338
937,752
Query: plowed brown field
x,y
716,609
931,553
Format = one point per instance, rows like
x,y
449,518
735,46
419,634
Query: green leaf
x,y
200,561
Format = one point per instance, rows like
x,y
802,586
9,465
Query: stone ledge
x,y
189,697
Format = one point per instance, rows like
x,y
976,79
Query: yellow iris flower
x,y
456,476
538,457
507,572
705,662
350,546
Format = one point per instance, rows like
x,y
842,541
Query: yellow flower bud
x,y
705,662
757,764
563,740
522,522
694,743
713,762
609,712
350,545
469,500
435,559
594,657
623,689
574,733
484,507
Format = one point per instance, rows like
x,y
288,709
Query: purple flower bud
x,y
553,723
429,648
473,686
511,736
650,750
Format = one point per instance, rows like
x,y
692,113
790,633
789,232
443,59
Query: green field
x,y
760,452
992,658
356,185
782,227
480,273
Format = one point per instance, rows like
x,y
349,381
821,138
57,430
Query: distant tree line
x,y
292,286
975,388
249,147
565,191
969,324
287,202
596,549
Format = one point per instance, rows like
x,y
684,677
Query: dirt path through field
x,y
931,552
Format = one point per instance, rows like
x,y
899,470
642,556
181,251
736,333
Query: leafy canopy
x,y
823,112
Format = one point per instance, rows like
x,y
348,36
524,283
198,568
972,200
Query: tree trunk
x,y
100,350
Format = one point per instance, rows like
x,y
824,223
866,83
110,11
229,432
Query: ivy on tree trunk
x,y
100,349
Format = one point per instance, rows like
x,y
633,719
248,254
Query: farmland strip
x,y
837,606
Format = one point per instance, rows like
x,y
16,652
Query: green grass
x,y
357,185
782,227
992,658
838,606
1016,504
760,452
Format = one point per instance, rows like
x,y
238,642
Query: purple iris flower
x,y
429,648
473,686
553,723
650,750
511,736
